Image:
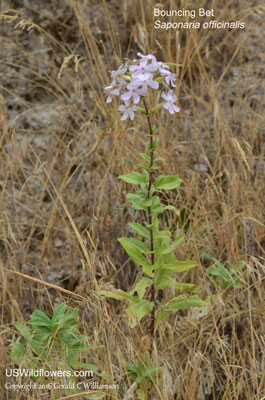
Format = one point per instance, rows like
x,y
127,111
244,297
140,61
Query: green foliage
x,y
141,286
137,310
223,277
143,373
168,182
135,178
180,302
140,229
50,339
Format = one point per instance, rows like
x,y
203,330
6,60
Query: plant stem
x,y
150,220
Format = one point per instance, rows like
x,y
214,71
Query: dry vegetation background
x,y
62,205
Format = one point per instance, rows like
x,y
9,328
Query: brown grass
x,y
63,207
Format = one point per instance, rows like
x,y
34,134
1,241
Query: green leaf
x,y
143,165
160,316
146,178
163,280
239,266
134,177
135,371
141,109
140,229
149,270
89,367
218,271
138,310
180,303
132,369
40,350
18,352
68,318
128,296
118,295
58,313
141,394
146,203
25,332
150,372
167,182
162,235
41,335
155,143
39,318
178,240
179,266
156,207
145,157
217,262
138,244
94,369
111,295
166,248
224,277
170,208
133,252
148,148
185,287
141,287
156,108
158,159
136,200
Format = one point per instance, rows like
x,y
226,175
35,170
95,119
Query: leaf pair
x,y
167,182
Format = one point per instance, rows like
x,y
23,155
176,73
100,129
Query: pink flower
x,y
147,58
170,99
128,111
144,66
115,74
133,92
170,77
163,68
144,80
112,91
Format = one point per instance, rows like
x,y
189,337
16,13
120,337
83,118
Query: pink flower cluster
x,y
132,80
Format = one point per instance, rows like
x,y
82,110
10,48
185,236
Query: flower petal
x,y
126,95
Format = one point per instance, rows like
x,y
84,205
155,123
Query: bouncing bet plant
x,y
155,252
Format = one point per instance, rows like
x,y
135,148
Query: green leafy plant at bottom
x,y
55,342
143,374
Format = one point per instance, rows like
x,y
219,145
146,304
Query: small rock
x,y
200,167
58,242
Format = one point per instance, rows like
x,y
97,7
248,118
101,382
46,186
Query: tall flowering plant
x,y
154,252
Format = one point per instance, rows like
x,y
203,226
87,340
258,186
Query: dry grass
x,y
62,205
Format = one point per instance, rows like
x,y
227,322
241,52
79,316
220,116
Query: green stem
x,y
150,220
